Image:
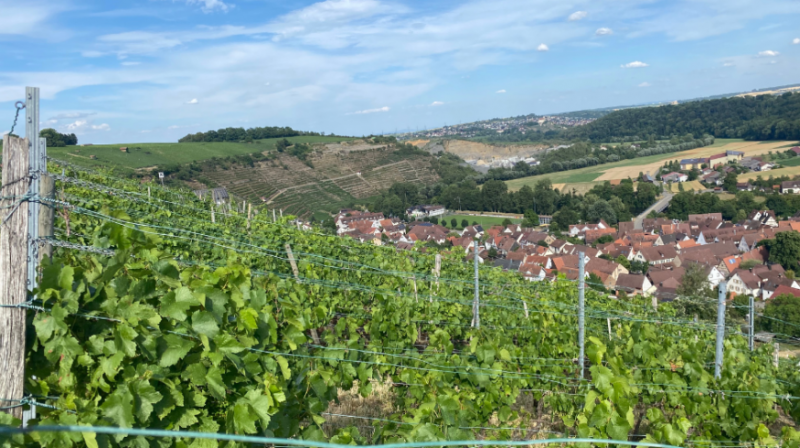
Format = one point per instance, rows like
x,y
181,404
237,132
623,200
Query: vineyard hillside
x,y
148,315
332,177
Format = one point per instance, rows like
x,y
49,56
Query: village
x,y
624,261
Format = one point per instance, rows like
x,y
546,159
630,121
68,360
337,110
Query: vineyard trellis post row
x,y
751,321
476,312
720,330
581,322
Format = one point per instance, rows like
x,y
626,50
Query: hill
x,y
764,117
324,176
142,155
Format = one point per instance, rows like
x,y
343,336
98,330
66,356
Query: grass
x,y
485,221
142,155
724,141
794,161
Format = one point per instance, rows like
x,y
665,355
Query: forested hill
x,y
763,117
244,135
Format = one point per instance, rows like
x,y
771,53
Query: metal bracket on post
x,y
720,330
581,323
476,312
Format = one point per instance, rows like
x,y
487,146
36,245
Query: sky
x,y
156,70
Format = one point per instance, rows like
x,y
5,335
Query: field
x,y
631,168
485,221
142,155
790,171
692,185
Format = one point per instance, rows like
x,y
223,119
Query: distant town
x,y
521,124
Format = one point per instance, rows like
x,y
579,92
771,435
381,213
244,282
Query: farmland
x,y
581,179
141,155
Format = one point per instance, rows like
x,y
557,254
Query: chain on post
x,y
19,105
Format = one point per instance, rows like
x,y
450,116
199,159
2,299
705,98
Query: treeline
x,y
764,117
610,203
57,139
243,135
688,203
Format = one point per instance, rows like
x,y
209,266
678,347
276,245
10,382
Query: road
x,y
659,206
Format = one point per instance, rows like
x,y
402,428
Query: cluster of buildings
x,y
663,248
501,125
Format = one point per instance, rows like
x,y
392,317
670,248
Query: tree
x,y
464,223
531,219
783,313
435,220
507,222
596,283
454,223
624,262
492,253
494,194
565,217
604,239
784,249
601,210
729,183
55,139
282,144
693,174
695,293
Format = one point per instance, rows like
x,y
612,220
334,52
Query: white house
x,y
675,177
790,186
422,211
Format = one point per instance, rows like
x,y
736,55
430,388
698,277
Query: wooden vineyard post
x,y
148,193
608,319
274,219
213,220
293,263
281,213
776,361
249,214
13,271
414,279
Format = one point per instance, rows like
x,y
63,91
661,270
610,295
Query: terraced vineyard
x,y
289,184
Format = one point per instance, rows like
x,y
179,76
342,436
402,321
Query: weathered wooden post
x,y
13,271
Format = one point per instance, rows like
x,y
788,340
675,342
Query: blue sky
x,y
155,70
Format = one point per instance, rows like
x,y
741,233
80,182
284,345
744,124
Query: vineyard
x,y
150,316
331,181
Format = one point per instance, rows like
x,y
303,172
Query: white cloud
x,y
210,5
146,131
768,53
92,54
796,40
25,18
634,64
192,101
174,126
645,84
371,111
85,126
437,103
728,64
604,32
71,115
130,63
501,91
577,15
542,47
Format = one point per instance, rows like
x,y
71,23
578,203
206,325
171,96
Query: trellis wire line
x,y
339,285
160,433
421,275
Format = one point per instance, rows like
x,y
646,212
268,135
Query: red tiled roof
x,y
783,289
